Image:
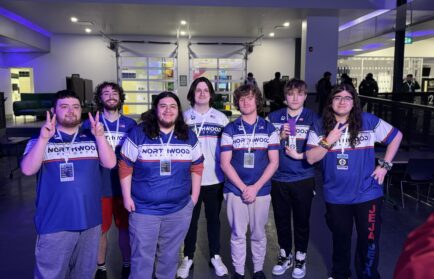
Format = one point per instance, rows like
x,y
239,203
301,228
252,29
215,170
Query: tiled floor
x,y
17,235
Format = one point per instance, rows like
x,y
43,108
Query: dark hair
x,y
354,119
98,93
369,76
150,119
327,74
193,86
62,94
277,75
410,75
245,90
250,75
294,84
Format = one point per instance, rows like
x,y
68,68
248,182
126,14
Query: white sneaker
x,y
184,268
219,266
283,263
299,265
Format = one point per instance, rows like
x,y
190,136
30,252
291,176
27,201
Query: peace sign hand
x,y
49,127
96,128
335,134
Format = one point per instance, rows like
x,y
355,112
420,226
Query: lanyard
x,y
165,147
112,141
193,117
252,136
295,122
342,143
65,145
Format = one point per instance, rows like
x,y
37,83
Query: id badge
x,y
165,167
66,172
249,160
292,144
342,161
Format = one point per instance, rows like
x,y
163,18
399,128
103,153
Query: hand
x,y
335,134
284,133
293,153
249,194
49,127
96,128
129,204
379,174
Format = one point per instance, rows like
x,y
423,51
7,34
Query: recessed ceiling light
x,y
392,39
74,19
357,49
271,34
183,22
182,33
286,24
88,30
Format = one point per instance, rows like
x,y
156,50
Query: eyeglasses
x,y
346,99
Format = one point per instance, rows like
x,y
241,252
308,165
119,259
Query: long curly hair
x,y
354,119
150,119
98,93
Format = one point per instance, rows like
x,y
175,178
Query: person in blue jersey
x,y
109,98
249,157
68,208
343,140
293,184
208,124
161,171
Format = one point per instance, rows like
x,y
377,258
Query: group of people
x,y
154,176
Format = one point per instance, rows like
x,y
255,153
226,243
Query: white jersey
x,y
208,127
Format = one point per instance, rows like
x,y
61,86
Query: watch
x,y
384,164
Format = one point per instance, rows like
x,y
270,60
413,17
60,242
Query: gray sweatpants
x,y
67,254
147,232
240,217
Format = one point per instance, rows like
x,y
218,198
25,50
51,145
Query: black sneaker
x,y
259,275
101,274
237,276
125,272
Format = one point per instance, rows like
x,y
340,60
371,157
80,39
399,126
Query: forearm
x,y
107,156
196,180
126,186
315,154
268,173
32,161
233,176
393,147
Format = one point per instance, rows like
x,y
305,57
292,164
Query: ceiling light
x,y
271,34
88,30
74,19
182,33
286,24
358,49
183,22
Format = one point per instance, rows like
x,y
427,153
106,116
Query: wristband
x,y
385,165
324,144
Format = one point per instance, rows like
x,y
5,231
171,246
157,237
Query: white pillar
x,y
319,48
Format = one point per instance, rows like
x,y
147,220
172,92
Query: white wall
x,y
423,48
90,57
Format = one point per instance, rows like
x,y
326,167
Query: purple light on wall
x,y
372,46
420,33
346,52
18,19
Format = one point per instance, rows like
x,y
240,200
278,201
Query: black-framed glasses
x,y
346,99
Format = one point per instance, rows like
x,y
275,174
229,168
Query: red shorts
x,y
113,206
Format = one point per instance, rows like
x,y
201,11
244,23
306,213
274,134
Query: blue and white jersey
x,y
156,194
355,184
233,139
110,177
209,135
72,205
291,170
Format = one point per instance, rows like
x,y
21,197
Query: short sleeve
x,y
227,139
130,150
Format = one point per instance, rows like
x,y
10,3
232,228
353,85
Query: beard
x,y
69,122
111,107
166,124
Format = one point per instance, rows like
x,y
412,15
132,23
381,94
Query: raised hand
x,y
284,133
96,128
49,127
335,134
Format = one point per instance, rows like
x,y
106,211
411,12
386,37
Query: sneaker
x,y
184,268
237,276
299,265
218,265
283,263
101,274
125,272
259,275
